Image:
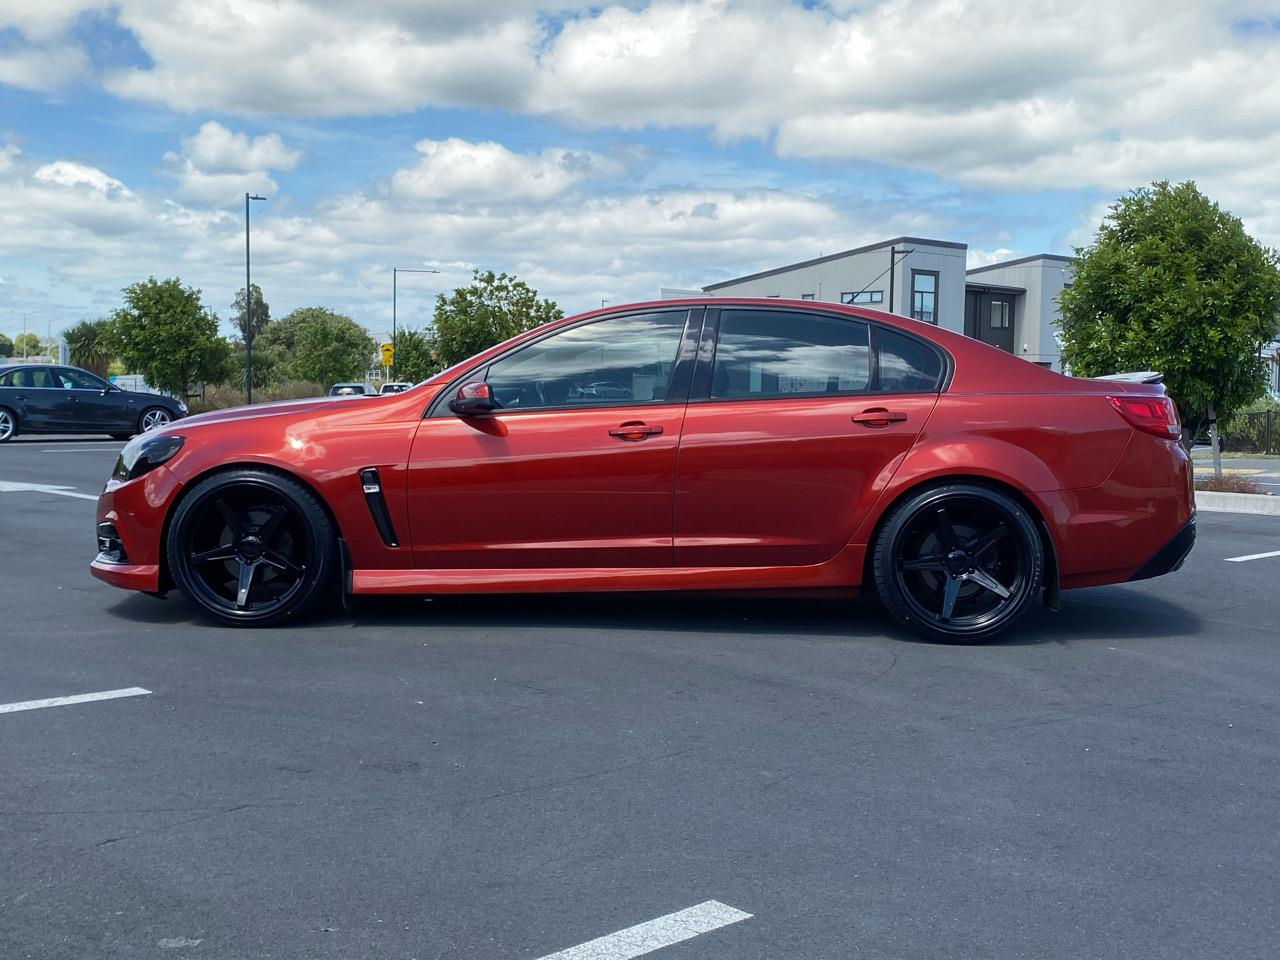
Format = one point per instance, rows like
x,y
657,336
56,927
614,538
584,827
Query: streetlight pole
x,y
395,272
248,305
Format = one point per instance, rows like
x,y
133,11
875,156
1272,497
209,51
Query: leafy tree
x,y
492,308
329,347
6,346
1173,283
416,358
164,333
89,344
282,334
261,313
26,345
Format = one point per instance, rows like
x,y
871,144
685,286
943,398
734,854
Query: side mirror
x,y
473,400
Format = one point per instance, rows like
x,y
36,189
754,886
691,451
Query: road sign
x,y
388,354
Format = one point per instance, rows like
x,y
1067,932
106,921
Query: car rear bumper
x,y
1171,556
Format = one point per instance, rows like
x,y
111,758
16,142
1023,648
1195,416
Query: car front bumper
x,y
135,511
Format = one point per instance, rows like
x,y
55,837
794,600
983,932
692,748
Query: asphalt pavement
x,y
509,778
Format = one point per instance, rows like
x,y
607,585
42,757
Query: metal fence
x,y
1252,433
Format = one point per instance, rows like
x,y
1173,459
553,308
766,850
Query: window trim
x,y
700,387
937,294
681,370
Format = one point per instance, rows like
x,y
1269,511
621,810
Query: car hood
x,y
273,409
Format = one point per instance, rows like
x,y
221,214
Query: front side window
x,y
924,295
77,380
621,360
766,353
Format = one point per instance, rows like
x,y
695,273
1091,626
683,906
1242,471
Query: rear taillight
x,y
1154,415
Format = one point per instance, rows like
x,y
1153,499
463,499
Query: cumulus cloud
x,y
216,164
458,170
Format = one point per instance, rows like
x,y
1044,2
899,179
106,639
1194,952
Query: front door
x,y
575,469
988,317
793,434
90,404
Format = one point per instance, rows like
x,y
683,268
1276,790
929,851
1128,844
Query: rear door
x,y
35,397
794,426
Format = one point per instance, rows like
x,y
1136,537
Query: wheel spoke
x,y
224,552
268,527
229,517
950,593
988,582
946,532
922,563
989,540
281,562
245,582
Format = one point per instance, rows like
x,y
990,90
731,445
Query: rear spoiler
x,y
1139,376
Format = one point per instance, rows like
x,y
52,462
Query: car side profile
x,y
46,398
703,444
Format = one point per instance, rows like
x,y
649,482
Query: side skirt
x,y
843,570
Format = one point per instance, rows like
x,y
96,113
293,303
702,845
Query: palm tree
x,y
88,342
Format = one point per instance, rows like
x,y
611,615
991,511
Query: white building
x,y
1010,305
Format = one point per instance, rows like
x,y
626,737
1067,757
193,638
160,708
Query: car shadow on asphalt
x,y
1118,612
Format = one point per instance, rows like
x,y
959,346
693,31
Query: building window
x,y
1000,313
806,296
924,295
863,296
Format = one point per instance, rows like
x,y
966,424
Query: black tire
x,y
8,424
958,563
152,418
251,547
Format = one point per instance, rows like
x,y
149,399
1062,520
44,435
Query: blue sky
x,y
597,150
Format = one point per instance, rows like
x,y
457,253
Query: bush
x,y
1229,483
1246,430
223,395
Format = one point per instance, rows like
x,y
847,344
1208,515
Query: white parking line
x,y
10,486
78,698
654,934
1254,556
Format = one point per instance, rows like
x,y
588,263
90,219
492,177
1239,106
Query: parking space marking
x,y
10,486
1254,556
654,934
77,698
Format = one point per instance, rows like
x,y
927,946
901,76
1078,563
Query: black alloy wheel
x,y
959,563
251,547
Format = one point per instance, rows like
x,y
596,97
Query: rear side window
x,y
33,378
906,364
771,353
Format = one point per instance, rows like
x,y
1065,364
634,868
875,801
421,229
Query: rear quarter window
x,y
907,365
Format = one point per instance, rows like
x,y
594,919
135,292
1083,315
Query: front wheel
x,y
958,563
251,547
153,418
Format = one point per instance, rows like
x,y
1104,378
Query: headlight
x,y
182,407
145,453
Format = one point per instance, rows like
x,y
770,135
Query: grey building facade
x,y
1010,305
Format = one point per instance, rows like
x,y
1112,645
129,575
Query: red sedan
x,y
713,444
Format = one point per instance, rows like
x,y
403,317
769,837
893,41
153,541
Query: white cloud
x,y
465,172
216,165
44,68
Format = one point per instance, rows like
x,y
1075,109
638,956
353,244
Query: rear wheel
x,y
959,563
251,547
8,425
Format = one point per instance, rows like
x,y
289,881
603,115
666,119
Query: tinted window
x,y
766,353
33,378
4,380
619,360
906,364
77,379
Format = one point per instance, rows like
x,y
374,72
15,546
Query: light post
x,y
395,272
248,305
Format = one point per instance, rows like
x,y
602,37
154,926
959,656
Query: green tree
x,y
6,346
89,344
416,358
261,313
1173,283
164,333
492,308
26,345
329,347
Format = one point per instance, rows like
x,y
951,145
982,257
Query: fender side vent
x,y
372,486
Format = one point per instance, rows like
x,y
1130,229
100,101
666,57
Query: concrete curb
x,y
1238,503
